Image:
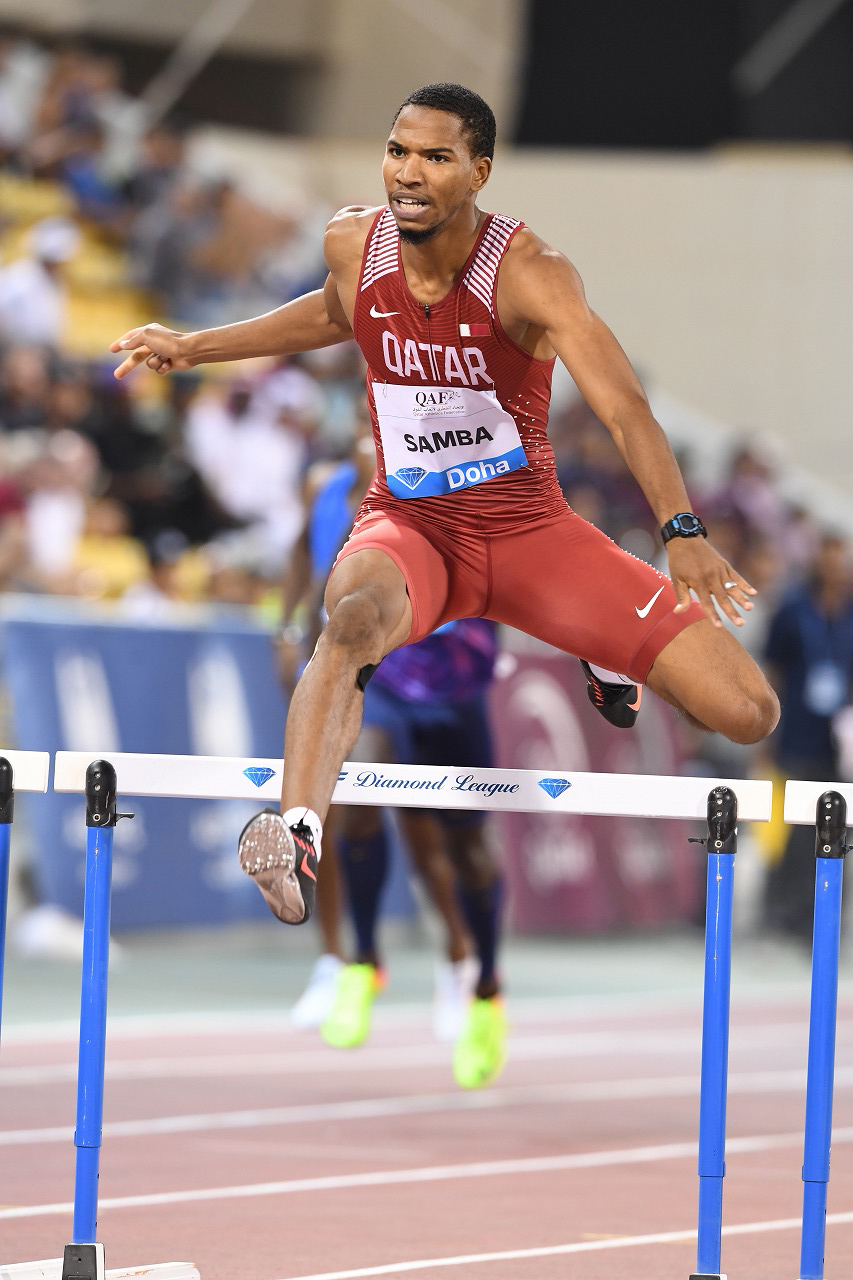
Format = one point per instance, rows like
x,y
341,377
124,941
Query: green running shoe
x,y
348,1021
481,1049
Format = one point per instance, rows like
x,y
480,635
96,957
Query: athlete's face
x,y
429,172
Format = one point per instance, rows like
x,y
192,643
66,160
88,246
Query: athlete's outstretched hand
x,y
160,348
693,562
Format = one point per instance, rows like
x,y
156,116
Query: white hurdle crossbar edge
x,y
30,769
422,786
801,799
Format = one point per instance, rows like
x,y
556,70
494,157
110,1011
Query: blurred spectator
x,y
85,172
339,373
107,559
13,535
164,243
145,467
159,167
58,478
809,654
70,400
202,247
33,294
82,99
24,388
251,448
24,69
155,597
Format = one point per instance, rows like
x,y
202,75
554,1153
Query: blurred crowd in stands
x,y
104,481
153,492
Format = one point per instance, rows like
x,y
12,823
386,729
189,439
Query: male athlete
x,y
460,315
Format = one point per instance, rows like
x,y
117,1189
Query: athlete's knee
x,y
750,714
765,714
356,630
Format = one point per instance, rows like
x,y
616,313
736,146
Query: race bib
x,y
437,440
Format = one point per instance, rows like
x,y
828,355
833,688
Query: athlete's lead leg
x,y
369,615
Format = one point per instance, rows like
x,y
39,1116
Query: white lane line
x,y
561,1250
684,1086
524,1047
432,1173
600,1007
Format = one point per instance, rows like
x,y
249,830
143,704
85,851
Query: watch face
x,y
688,523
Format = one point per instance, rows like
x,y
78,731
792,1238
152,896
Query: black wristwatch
x,y
684,525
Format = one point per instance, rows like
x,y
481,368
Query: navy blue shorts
x,y
439,733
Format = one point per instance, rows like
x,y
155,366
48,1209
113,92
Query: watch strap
x,y
684,525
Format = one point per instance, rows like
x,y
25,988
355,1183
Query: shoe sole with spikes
x,y
268,850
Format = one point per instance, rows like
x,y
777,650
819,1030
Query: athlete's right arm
x,y
315,320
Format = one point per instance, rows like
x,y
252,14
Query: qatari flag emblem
x,y
474,330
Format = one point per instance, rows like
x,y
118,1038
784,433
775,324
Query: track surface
x,y
235,1142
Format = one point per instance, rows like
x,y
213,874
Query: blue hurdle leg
x,y
6,807
101,818
93,1032
721,844
830,848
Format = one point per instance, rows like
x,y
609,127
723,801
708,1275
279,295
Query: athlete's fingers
x,y
706,600
132,362
682,590
726,604
133,338
739,589
160,364
734,594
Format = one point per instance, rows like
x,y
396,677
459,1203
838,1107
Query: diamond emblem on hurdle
x,y
258,774
554,786
410,476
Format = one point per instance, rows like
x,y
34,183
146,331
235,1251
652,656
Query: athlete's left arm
x,y
540,286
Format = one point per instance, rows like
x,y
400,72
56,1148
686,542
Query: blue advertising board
x,y
80,681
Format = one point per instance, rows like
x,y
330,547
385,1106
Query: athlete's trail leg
x,y
709,676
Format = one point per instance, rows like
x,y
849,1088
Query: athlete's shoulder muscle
x,y
346,234
534,277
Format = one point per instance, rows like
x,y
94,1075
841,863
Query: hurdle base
x,y
51,1269
83,1262
694,1275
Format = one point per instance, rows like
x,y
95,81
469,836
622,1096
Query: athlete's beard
x,y
418,237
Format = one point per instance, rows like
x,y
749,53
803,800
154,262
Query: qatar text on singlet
x,y
455,401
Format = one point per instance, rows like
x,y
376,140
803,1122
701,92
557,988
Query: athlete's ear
x,y
480,176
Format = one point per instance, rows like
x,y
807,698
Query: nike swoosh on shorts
x,y
642,613
380,315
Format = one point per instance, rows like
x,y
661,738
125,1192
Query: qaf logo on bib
x,y
437,400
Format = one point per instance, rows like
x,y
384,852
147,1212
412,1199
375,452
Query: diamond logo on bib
x,y
410,476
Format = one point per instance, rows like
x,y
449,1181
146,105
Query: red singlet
x,y
465,499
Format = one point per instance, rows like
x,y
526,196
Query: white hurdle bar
x,y
30,769
422,786
801,800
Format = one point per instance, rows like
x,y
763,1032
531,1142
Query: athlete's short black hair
x,y
478,119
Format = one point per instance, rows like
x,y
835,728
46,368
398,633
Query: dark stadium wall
x,y
660,75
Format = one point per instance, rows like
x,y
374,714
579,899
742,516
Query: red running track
x,y
260,1154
